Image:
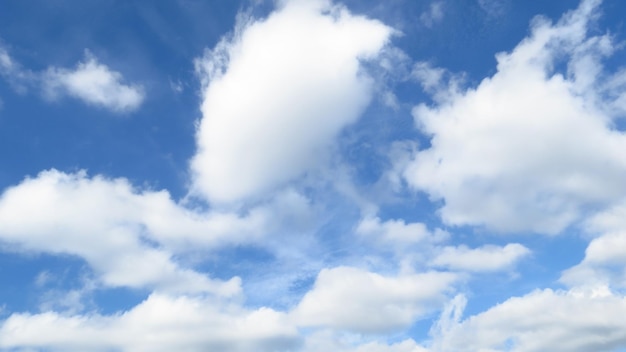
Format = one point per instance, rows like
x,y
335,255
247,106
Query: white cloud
x,y
482,259
160,323
544,320
605,257
276,95
603,264
398,231
125,235
326,340
95,84
355,300
528,149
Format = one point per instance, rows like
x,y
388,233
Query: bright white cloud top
x,y
93,83
326,176
293,79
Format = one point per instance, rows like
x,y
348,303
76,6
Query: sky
x,y
313,175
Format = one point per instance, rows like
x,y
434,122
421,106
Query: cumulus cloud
x,y
530,148
348,298
127,236
414,244
544,320
277,93
605,256
160,323
91,81
95,84
398,231
483,259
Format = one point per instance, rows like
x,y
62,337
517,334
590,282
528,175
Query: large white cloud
x,y
160,323
528,149
127,236
95,84
277,93
352,299
544,320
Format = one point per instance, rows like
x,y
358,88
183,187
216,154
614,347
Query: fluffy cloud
x,y
544,320
160,323
605,257
348,299
398,231
482,259
328,341
95,84
530,148
125,235
92,82
277,93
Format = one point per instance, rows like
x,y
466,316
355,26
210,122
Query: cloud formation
x,y
126,236
160,323
543,320
346,298
482,259
530,148
276,95
91,82
95,84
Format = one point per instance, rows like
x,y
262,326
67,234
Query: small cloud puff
x,y
95,84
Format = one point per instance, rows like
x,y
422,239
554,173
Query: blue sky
x,y
313,175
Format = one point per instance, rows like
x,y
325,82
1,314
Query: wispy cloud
x,y
434,14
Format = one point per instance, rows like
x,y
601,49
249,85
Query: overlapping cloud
x,y
530,148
